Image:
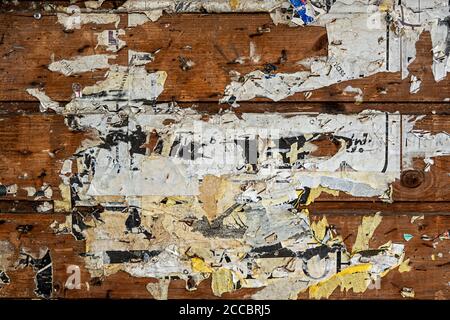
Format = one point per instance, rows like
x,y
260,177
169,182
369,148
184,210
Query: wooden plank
x,y
33,145
32,150
32,153
428,278
407,108
213,42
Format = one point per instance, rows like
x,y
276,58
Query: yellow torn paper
x,y
222,282
199,265
365,232
355,277
320,229
404,266
316,192
63,205
234,4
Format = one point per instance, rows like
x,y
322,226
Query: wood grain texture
x,y
213,42
33,145
32,154
428,278
33,148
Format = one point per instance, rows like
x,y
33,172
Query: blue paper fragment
x,y
300,11
407,236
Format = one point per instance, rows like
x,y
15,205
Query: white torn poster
x,y
127,83
212,6
273,150
136,58
74,19
174,193
109,39
81,64
354,51
363,40
440,37
142,11
415,84
45,101
422,144
194,198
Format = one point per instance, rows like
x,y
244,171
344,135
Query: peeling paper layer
x,y
213,6
75,19
170,192
276,148
154,224
109,39
156,221
81,64
45,101
362,40
126,83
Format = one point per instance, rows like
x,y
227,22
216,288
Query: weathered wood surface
x,y
213,42
33,145
32,153
428,277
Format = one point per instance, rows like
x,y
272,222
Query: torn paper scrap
x,y
363,40
46,102
407,292
422,144
407,236
136,58
357,91
93,4
365,232
109,39
81,64
160,289
43,267
415,84
129,83
212,6
74,18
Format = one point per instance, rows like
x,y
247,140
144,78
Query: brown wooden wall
x,y
34,144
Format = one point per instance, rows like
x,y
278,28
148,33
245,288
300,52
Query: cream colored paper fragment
x,y
160,289
81,64
109,39
217,194
365,232
222,282
404,266
63,205
46,102
93,4
130,83
77,19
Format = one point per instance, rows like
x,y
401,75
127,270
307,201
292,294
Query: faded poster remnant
x,y
45,101
172,193
6,256
73,18
42,265
81,64
249,229
362,40
109,39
